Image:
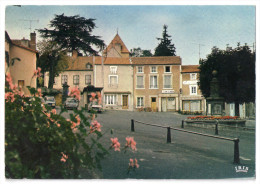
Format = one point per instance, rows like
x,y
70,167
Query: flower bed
x,y
214,118
230,120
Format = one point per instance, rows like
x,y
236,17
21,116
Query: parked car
x,y
71,103
50,100
95,106
33,99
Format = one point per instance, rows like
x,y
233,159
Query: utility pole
x,y
30,21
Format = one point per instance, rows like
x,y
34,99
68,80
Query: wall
x,y
24,69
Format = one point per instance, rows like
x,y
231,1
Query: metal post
x,y
236,151
182,123
216,128
168,135
132,125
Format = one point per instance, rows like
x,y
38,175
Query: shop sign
x,y
190,82
168,91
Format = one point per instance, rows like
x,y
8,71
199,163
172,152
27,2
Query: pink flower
x,y
136,163
131,162
39,92
93,95
75,92
64,157
37,72
95,126
131,143
9,96
115,144
78,120
8,78
54,111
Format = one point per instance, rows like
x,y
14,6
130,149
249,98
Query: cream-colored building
x,y
156,83
21,71
191,98
115,76
79,73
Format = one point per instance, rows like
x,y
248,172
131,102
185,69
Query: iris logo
x,y
241,169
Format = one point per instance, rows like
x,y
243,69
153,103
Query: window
x,y
113,81
167,81
167,69
140,101
110,99
20,83
64,78
153,69
55,81
88,79
140,82
76,79
113,69
193,76
153,82
88,66
193,90
191,105
140,69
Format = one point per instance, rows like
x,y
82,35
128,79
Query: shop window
x,y
110,99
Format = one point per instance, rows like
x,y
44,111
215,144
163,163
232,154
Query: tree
x,y
73,33
165,48
138,52
52,59
236,74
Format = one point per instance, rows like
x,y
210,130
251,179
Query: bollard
x,y
182,123
168,135
132,125
236,151
216,128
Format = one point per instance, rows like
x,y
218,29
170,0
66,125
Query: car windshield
x,y
49,99
72,101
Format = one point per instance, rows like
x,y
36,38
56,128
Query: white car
x,y
50,100
71,103
95,106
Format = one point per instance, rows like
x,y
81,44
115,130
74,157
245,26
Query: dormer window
x,y
113,69
88,66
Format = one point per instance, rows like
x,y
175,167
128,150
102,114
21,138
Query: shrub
x,y
39,143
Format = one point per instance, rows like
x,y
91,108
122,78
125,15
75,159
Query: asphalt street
x,y
188,156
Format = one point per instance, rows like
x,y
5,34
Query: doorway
x,y
153,104
125,102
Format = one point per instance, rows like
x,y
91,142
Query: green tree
x,y
165,47
73,33
236,74
52,59
138,52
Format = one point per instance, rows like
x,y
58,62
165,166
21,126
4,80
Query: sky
x,y
139,26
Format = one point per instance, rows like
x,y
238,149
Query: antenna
x,y
30,21
199,44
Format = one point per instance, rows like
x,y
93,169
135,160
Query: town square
x,y
130,92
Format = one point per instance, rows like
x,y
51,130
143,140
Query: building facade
x,y
156,83
23,68
191,99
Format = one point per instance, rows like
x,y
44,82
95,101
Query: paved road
x,y
187,157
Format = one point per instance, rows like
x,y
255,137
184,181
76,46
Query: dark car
x,y
50,100
71,103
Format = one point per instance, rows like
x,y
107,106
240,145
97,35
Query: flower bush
x,y
214,118
41,143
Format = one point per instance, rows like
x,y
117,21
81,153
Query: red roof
x,y
116,40
190,69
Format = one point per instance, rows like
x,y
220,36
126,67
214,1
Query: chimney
x,y
33,41
74,54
